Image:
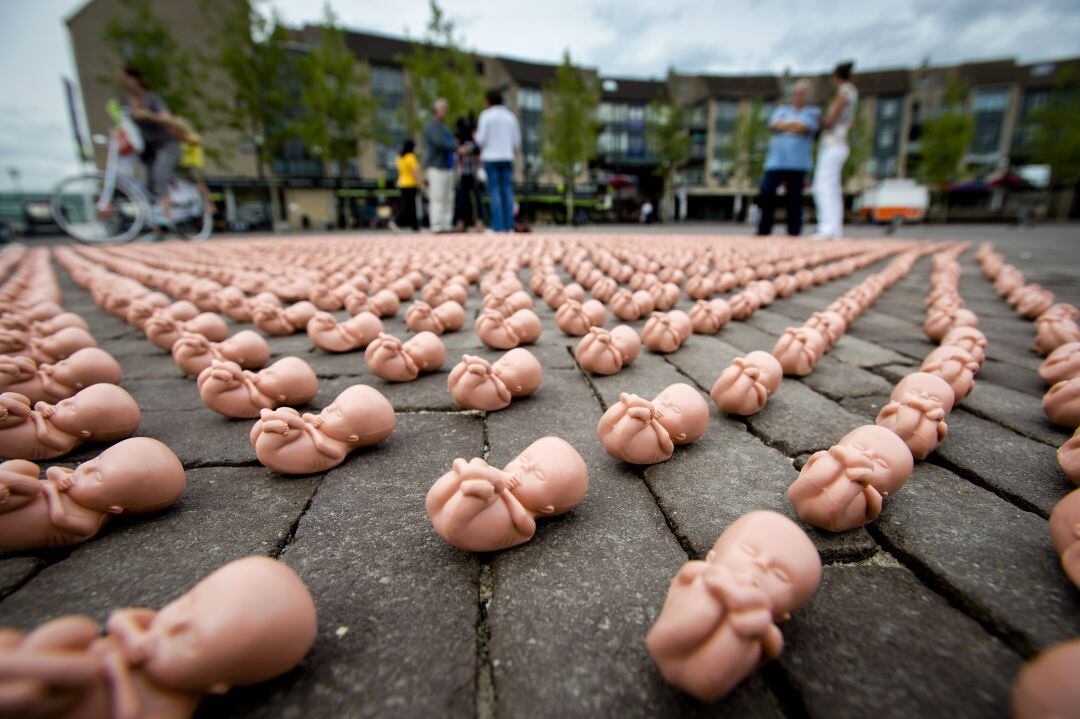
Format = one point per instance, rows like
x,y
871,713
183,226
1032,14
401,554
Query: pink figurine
x,y
1061,364
136,476
163,330
290,443
744,387
954,365
54,382
718,622
916,412
504,333
662,333
630,430
101,412
1046,687
193,353
1052,331
575,318
605,353
447,317
799,349
1065,534
396,361
843,487
708,316
358,331
1033,303
1061,403
1068,456
939,322
968,338
478,508
475,383
234,392
683,412
831,325
247,622
277,321
59,345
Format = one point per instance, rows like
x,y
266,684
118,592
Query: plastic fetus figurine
x,y
396,361
59,345
708,316
142,309
56,323
967,338
799,349
290,443
605,353
475,383
193,353
575,318
916,412
504,333
719,620
744,387
1046,687
954,365
1061,364
1068,456
940,321
447,317
328,334
278,321
163,330
54,382
638,431
831,325
101,412
232,391
843,487
629,306
233,303
662,333
136,476
1034,302
1061,403
1052,331
245,623
1065,534
479,508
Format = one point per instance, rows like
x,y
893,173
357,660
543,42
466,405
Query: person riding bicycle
x,y
192,159
161,149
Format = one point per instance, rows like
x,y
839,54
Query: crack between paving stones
x,y
787,696
291,534
46,563
1012,639
1013,499
588,380
484,700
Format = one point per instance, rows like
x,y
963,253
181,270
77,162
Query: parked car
x,y
893,201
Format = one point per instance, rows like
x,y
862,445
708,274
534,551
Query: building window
x,y
888,108
387,81
990,100
530,99
610,85
886,138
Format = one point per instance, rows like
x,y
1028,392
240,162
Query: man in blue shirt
x,y
789,158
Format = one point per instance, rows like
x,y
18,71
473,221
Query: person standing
x,y
832,153
498,135
161,150
467,200
409,180
439,149
789,158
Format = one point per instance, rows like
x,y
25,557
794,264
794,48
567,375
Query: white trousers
x,y
441,197
828,195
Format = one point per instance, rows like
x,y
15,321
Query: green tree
x,y
944,142
253,58
569,121
751,141
439,67
1056,140
861,142
137,38
337,114
669,137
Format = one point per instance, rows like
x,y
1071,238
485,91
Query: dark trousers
x,y
407,218
792,180
467,200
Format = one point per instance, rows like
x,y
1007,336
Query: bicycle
x,y
113,207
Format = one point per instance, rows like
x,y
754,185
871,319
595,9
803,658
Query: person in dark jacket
x,y
439,151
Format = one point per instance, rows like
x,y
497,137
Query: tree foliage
x,y
751,141
569,122
945,139
669,136
440,68
337,114
1056,140
861,144
138,39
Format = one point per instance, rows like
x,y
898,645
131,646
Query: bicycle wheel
x,y
77,209
190,215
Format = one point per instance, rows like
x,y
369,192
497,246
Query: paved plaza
x,y
928,611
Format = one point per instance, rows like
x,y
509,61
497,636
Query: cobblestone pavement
x,y
928,611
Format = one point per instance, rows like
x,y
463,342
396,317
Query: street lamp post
x,y
16,183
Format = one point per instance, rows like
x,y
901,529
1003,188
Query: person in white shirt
x,y
498,135
832,153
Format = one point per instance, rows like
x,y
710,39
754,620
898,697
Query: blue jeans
x,y
500,182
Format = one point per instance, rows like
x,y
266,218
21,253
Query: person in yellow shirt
x,y
410,179
192,159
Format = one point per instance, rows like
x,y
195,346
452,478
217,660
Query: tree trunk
x,y
569,200
1065,201
665,203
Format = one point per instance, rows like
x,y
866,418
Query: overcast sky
x,y
621,37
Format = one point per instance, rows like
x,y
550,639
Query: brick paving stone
x,y
875,640
589,584
990,556
859,352
747,337
397,605
14,570
704,359
426,392
1015,410
1021,469
153,395
706,486
798,419
838,380
198,437
225,513
1021,379
865,407
646,377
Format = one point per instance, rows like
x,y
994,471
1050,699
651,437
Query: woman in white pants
x,y
832,153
